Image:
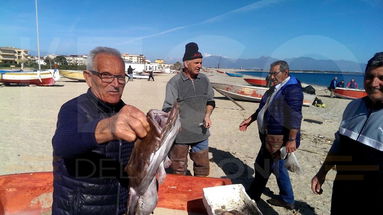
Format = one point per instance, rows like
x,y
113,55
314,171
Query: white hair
x,y
98,50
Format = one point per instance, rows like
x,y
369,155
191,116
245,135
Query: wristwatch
x,y
291,139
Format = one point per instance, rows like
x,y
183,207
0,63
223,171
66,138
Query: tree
x,y
61,60
49,61
177,66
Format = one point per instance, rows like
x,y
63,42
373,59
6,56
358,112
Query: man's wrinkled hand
x,y
129,123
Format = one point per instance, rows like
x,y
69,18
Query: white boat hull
x,y
43,78
251,93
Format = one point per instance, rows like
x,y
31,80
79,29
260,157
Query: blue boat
x,y
233,74
5,71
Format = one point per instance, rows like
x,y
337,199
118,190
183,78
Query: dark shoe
x,y
280,203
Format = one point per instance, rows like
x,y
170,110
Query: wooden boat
x,y
233,74
31,193
42,78
261,82
219,71
73,74
239,92
251,93
39,77
349,93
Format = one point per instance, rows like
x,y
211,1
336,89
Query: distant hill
x,y
301,63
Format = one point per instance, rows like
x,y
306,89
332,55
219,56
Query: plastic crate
x,y
229,198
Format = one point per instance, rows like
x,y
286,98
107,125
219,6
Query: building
x,y
139,59
159,61
76,59
13,55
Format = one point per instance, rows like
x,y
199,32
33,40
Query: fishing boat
x,y
73,74
239,92
219,71
31,193
251,93
261,82
234,74
39,78
349,93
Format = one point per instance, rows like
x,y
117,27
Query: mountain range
x,y
300,63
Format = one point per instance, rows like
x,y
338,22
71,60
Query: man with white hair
x,y
93,140
193,91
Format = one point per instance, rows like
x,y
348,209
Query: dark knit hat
x,y
191,52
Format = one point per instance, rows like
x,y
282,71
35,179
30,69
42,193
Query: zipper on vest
x,y
365,122
195,93
118,183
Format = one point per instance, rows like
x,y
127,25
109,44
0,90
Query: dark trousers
x,y
263,167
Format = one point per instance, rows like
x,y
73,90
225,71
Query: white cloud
x,y
250,7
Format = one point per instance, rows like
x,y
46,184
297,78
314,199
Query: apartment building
x,y
130,58
12,55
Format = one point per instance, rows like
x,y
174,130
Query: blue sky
x,y
323,29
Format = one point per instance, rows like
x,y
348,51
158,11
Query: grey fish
x,y
146,166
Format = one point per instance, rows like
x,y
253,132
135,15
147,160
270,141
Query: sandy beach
x,y
28,119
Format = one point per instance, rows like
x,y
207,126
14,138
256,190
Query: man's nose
x,y
376,82
115,82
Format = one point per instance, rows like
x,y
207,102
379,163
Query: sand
x,y
28,118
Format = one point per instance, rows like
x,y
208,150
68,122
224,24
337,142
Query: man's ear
x,y
87,77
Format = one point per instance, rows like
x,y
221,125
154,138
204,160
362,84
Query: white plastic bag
x,y
291,161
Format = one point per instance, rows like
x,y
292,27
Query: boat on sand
x,y
251,93
260,82
349,93
234,74
39,78
239,92
73,74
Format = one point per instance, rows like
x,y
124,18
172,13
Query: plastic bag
x,y
291,161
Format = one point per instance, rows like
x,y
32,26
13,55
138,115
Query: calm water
x,y
322,79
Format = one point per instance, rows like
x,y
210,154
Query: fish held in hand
x,y
146,166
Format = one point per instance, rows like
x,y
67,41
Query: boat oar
x,y
229,98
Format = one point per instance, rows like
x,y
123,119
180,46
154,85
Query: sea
x,y
316,78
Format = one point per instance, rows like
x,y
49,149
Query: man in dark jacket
x,y
93,141
279,113
333,85
130,72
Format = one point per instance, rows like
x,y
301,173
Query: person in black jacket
x,y
130,72
340,84
93,140
332,86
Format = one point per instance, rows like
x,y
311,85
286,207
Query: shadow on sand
x,y
238,172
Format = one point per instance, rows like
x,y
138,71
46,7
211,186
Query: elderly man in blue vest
x,y
357,151
279,116
93,140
